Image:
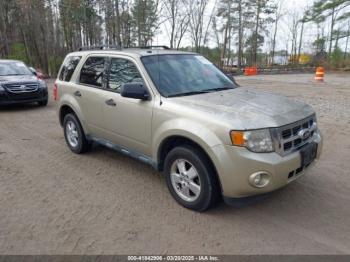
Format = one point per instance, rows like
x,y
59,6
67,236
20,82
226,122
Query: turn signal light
x,y
237,138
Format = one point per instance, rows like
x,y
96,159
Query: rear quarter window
x,y
68,68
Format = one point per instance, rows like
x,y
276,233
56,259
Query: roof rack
x,y
100,47
154,47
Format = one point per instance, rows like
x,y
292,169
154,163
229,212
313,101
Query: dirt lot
x,y
55,202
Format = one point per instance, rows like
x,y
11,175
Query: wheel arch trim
x,y
75,108
197,133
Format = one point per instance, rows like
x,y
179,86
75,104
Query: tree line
x,y
229,32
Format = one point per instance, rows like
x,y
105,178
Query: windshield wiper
x,y
202,91
190,93
219,89
15,75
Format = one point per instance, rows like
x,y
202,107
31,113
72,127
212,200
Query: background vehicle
x,y
38,73
177,112
18,84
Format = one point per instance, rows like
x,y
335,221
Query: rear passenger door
x,y
88,89
127,121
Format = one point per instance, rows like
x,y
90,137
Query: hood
x,y
244,108
18,79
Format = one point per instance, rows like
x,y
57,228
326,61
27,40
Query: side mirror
x,y
134,90
33,71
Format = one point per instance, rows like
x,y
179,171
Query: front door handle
x,y
77,93
110,102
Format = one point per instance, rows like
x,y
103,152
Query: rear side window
x,y
93,71
68,68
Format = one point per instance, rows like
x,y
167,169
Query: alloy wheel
x,y
72,134
185,180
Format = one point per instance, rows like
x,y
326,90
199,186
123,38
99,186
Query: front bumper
x,y
236,164
31,97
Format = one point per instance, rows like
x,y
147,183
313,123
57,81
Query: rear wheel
x,y
74,135
190,178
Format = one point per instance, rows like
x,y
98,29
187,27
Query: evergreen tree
x,y
145,18
328,9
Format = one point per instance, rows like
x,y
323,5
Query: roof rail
x,y
154,47
99,47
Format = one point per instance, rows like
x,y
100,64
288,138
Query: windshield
x,y
13,68
178,75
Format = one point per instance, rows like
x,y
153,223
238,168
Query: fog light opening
x,y
259,179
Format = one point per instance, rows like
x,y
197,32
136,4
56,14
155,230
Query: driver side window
x,y
93,72
122,71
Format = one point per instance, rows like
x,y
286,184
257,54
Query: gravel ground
x,y
55,202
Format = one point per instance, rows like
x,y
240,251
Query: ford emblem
x,y
304,134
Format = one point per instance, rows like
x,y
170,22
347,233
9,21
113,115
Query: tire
x,y
44,102
75,138
184,188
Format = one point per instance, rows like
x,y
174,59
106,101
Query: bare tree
x,y
277,17
347,41
216,31
301,38
177,19
225,11
145,20
240,32
293,21
196,11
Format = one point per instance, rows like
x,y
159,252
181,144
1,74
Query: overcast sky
x,y
291,6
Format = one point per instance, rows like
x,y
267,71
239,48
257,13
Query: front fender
x,y
197,132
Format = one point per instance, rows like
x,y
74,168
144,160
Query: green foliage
x,y
253,45
42,32
328,9
18,52
250,41
144,17
212,54
55,64
319,44
337,58
81,22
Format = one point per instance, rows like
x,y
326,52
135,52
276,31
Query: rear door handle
x,y
110,102
77,93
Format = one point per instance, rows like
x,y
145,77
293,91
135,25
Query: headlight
x,y
258,141
42,84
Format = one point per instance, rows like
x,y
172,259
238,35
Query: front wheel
x,y
190,178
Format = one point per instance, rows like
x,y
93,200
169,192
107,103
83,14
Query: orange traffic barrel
x,y
319,74
254,70
250,71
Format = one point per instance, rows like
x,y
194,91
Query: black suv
x,y
18,84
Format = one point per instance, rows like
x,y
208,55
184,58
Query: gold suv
x,y
179,113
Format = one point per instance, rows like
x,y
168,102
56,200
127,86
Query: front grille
x,y
22,88
292,137
295,173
